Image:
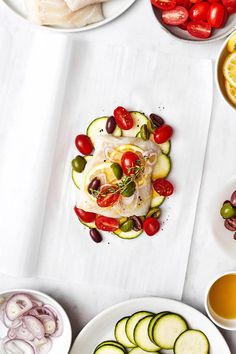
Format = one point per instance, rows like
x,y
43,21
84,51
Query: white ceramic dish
x,y
219,77
102,326
223,236
61,345
219,321
112,9
185,36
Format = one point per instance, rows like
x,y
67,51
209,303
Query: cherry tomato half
x,y
129,163
199,11
84,144
108,196
123,118
162,134
216,15
106,224
164,4
151,226
163,187
199,29
176,16
85,216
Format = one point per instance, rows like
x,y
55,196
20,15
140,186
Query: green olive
x,y
78,163
227,211
150,127
129,189
145,135
127,226
154,212
117,170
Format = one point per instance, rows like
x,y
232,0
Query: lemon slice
x,y
229,69
116,154
231,46
103,168
231,92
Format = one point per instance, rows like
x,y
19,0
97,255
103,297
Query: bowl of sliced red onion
x,y
33,323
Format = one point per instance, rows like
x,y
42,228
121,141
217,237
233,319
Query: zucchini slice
x,y
78,176
162,167
110,342
109,349
192,342
98,127
167,329
139,119
91,225
165,147
139,351
127,235
141,336
132,322
157,199
152,323
120,333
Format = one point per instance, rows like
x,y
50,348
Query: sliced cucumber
x,y
167,329
141,336
109,349
110,342
98,127
139,119
120,333
139,351
152,323
157,199
132,322
165,147
192,342
162,167
76,176
127,235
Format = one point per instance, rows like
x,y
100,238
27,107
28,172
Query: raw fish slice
x,y
79,4
57,13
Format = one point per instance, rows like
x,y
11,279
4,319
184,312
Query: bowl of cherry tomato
x,y
196,20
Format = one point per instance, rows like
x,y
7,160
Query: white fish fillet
x,y
57,13
79,4
84,200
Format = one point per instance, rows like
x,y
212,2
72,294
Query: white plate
x,y
102,326
61,344
223,236
184,35
111,9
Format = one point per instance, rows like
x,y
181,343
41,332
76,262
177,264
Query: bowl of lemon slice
x,y
225,70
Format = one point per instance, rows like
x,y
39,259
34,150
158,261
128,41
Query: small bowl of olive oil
x,y
220,301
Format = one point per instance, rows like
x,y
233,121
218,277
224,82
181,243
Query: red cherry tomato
x,y
164,4
199,29
123,118
176,16
216,15
212,1
129,163
84,144
230,6
195,1
162,134
108,196
151,226
163,187
199,11
106,224
85,216
184,25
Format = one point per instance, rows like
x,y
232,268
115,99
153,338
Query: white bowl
x,y
61,344
219,77
185,36
219,321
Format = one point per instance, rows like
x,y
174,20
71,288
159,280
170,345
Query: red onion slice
x,y
17,305
17,346
23,333
59,321
43,346
34,326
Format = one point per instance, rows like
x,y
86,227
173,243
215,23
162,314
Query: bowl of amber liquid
x,y
220,301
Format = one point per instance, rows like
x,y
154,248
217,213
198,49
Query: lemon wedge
x,y
231,92
229,69
231,46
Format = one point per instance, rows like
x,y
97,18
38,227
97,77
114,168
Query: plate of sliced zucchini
x,y
121,173
150,325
